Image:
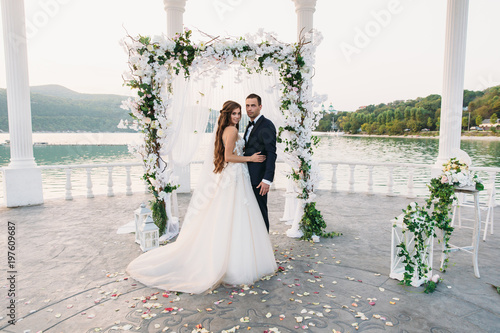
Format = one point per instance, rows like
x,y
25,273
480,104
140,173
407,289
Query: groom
x,y
260,136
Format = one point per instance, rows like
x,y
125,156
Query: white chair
x,y
490,208
487,206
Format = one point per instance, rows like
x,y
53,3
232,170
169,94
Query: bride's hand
x,y
257,158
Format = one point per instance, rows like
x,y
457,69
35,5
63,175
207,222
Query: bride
x,y
223,238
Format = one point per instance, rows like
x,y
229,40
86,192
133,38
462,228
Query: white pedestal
x,y
22,187
291,203
294,231
183,176
397,265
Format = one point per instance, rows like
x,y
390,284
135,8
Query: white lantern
x,y
140,215
397,264
148,234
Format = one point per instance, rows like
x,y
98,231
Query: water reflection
x,y
348,149
370,149
402,150
73,154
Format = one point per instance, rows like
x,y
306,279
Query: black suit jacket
x,y
262,139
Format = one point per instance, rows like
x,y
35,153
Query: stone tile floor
x,y
70,265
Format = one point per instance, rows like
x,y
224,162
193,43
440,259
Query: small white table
x,y
473,249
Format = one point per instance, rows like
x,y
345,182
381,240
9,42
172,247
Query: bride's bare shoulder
x,y
230,132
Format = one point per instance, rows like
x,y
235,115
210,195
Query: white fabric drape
x,y
189,113
195,100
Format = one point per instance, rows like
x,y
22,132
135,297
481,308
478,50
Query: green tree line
x,y
58,109
414,115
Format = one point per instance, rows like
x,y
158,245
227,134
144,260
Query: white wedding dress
x,y
223,238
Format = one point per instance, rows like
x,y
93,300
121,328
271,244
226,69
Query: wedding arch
x,y
155,62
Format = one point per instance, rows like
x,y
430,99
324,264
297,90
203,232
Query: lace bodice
x,y
239,146
233,169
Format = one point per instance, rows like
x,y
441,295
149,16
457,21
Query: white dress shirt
x,y
250,128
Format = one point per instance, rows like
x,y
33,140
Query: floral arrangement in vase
x,y
458,174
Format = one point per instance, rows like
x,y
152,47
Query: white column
x,y
175,10
453,81
22,178
305,10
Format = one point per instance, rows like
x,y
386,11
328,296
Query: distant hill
x,y
55,90
56,108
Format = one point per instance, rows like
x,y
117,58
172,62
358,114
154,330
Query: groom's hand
x,y
264,188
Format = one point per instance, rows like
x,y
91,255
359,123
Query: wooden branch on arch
x,y
302,39
209,36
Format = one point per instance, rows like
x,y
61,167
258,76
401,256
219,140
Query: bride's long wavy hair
x,y
224,121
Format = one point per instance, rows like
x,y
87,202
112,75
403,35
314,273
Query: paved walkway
x,y
70,276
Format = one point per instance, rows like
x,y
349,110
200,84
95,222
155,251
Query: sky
x,y
373,51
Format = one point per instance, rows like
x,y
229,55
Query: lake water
x,y
94,148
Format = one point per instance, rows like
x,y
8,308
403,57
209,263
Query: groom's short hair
x,y
259,100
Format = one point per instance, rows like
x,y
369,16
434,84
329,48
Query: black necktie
x,y
251,123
